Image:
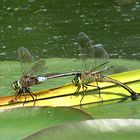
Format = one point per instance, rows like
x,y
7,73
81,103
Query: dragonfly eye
x,y
76,80
16,85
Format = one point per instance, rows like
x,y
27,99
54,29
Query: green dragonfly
x,y
91,56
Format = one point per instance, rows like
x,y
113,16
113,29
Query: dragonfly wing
x,y
38,67
93,56
85,48
100,52
24,55
101,56
26,59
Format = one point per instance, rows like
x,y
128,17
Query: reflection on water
x,y
49,28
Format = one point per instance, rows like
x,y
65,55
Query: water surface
x,y
49,28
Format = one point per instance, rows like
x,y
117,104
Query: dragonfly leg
x,y
32,95
25,99
77,90
18,94
98,90
84,87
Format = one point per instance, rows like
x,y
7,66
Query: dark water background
x,y
49,28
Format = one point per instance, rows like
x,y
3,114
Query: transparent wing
x,y
26,60
101,56
38,67
93,56
85,48
27,65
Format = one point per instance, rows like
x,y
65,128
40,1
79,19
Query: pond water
x,y
49,28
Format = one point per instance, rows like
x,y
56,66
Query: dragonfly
x,y
31,74
91,56
29,71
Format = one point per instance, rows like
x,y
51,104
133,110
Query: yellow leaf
x,y
64,96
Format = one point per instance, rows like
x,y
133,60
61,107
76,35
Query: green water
x,y
49,28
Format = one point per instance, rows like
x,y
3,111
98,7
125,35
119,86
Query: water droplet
x,y
9,26
16,9
2,53
28,29
82,16
31,0
3,47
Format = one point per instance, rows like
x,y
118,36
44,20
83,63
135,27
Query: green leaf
x,y
22,122
92,130
117,110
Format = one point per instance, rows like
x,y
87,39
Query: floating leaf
x,y
116,129
22,122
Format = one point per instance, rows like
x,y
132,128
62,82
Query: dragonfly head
x,y
16,85
77,80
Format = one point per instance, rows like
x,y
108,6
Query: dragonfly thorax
x,y
28,81
88,77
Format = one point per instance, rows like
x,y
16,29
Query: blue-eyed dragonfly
x,y
31,74
91,58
